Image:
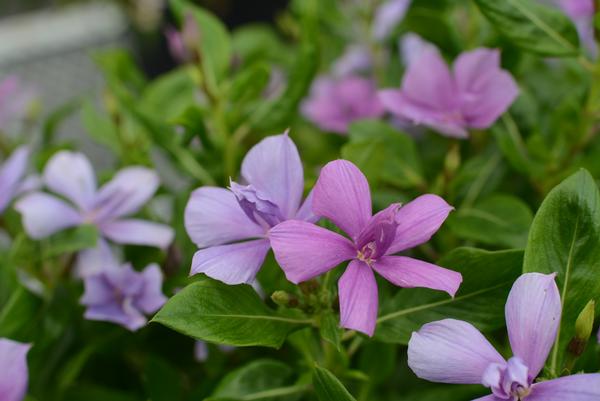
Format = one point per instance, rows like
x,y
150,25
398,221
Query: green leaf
x,y
384,154
161,380
499,219
17,316
72,240
226,314
513,146
328,387
532,27
100,128
169,95
263,379
119,68
565,239
487,279
330,329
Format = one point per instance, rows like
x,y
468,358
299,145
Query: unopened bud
x,y
285,299
583,329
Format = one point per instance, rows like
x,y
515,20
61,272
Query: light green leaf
x,y
330,329
487,279
99,127
328,387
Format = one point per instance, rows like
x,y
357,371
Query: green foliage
x,y
328,387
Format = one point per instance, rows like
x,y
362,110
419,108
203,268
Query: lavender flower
x,y
13,365
356,59
473,95
412,46
335,103
15,99
342,195
11,177
582,13
183,44
388,16
232,226
71,175
453,351
122,295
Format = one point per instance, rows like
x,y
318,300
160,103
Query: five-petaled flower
x,y
121,295
473,95
232,225
13,365
12,180
453,351
71,175
305,250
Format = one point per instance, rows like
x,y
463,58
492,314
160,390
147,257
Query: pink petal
x,y
273,166
533,311
213,216
409,273
490,397
359,301
231,264
304,250
44,215
13,365
418,220
11,173
451,351
342,195
126,193
71,175
138,232
584,387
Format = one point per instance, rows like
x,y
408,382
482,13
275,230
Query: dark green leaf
x,y
17,316
330,329
328,387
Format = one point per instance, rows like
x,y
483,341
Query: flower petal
x,y
43,214
71,175
306,212
387,16
273,166
126,193
304,250
94,260
342,195
11,173
451,351
138,232
409,273
584,387
233,263
418,220
129,318
359,300
533,310
13,365
213,216
152,297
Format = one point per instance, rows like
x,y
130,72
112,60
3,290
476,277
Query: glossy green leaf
x,y
226,314
532,26
330,328
501,220
487,279
565,239
328,387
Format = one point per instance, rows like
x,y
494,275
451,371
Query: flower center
x,y
508,381
257,206
367,253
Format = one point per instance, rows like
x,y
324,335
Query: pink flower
x,y
305,250
13,365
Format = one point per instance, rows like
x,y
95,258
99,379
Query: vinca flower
x,y
231,226
473,95
582,13
305,250
13,365
388,16
334,103
12,182
453,351
121,295
71,176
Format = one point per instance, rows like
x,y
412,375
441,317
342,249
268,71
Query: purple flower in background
x,y
13,365
412,46
335,103
305,250
355,60
582,13
183,44
231,226
71,175
473,95
15,99
388,16
12,172
122,295
453,351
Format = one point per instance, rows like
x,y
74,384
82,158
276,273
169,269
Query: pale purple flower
x,y
121,295
12,172
305,250
412,46
453,351
71,176
582,13
356,59
388,16
13,365
473,95
183,44
231,225
15,100
335,103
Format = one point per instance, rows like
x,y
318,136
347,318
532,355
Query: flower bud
x,y
283,298
583,329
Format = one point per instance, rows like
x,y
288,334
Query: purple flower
x,y
412,46
11,176
582,13
13,365
184,44
473,95
231,225
15,99
122,295
355,60
342,195
335,103
71,175
453,351
388,16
